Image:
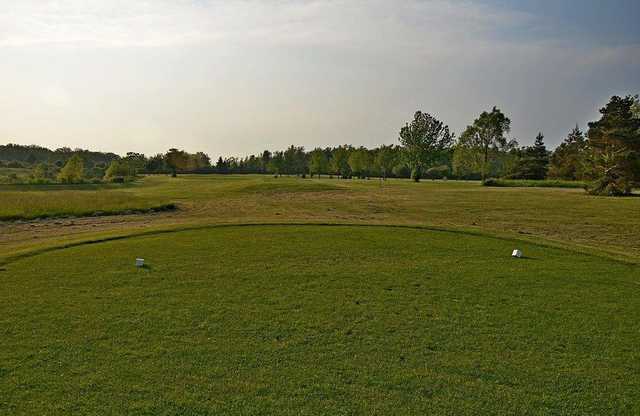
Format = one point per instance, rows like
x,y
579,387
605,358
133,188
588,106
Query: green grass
x,y
309,319
285,186
50,203
547,183
318,320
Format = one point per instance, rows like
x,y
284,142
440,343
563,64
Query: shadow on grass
x,y
525,258
65,186
106,213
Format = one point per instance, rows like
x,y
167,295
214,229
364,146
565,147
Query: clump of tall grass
x,y
529,183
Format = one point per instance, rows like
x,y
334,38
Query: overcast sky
x,y
236,77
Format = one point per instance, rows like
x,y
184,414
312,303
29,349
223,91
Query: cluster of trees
x,y
343,161
46,165
22,155
608,155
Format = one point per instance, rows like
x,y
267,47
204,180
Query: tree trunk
x,y
416,172
484,164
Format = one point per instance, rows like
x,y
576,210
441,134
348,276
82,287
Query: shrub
x,y
39,181
73,170
117,171
530,183
493,182
437,172
610,185
15,164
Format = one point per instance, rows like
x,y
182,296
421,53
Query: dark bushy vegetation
x,y
527,183
30,155
615,140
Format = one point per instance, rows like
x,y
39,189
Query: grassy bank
x,y
65,201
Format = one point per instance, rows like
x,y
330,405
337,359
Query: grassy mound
x,y
318,320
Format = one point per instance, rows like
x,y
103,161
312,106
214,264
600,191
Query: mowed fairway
x,y
309,319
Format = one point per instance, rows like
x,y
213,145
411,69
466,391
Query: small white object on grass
x,y
139,262
516,253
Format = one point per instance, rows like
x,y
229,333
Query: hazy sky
x,y
236,77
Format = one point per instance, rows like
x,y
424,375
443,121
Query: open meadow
x,y
265,295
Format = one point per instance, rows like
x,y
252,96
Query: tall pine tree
x,y
569,160
534,160
615,139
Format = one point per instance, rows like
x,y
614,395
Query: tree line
x,y
607,155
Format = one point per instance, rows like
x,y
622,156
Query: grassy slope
x,y
567,216
318,320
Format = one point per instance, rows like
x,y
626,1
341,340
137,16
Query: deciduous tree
x,y
360,162
318,162
118,170
386,159
176,160
73,170
424,140
485,136
340,161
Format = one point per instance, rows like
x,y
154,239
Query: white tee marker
x,y
516,253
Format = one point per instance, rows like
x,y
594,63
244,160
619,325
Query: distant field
x,y
318,320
